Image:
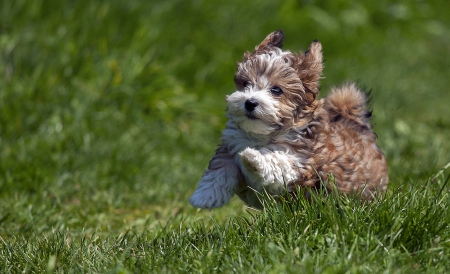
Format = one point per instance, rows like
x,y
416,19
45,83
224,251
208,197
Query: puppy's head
x,y
276,89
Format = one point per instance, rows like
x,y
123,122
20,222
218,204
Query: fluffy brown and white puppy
x,y
280,137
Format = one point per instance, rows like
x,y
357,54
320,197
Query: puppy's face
x,y
275,89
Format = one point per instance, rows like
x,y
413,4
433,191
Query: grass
x,y
110,111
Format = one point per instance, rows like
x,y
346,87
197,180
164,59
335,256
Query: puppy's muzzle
x,y
251,104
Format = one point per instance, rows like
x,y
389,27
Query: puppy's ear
x,y
310,70
274,39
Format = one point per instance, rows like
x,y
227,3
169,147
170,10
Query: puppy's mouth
x,y
251,116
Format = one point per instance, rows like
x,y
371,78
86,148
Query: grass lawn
x,y
111,110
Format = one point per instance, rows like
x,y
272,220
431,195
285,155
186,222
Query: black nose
x,y
251,104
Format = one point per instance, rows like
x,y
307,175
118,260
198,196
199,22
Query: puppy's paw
x,y
251,159
209,196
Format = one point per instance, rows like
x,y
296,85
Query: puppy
x,y
279,137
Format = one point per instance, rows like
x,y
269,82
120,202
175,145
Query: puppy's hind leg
x,y
218,183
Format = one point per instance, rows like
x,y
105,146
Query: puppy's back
x,y
349,150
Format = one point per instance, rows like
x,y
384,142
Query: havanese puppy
x,y
279,137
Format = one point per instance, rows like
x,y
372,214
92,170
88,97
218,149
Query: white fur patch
x,y
237,140
270,170
265,113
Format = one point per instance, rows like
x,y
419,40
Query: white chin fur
x,y
266,112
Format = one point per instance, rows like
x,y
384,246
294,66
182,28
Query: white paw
x,y
209,198
214,190
272,171
251,159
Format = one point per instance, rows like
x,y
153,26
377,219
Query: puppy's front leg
x,y
272,170
218,183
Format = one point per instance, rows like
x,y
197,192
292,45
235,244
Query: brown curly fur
x,y
338,140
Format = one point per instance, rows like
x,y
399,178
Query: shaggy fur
x,y
280,137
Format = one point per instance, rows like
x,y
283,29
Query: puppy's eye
x,y
246,84
276,90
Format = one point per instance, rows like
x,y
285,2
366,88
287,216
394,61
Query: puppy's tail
x,y
348,105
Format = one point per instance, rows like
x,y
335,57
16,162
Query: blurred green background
x,y
111,110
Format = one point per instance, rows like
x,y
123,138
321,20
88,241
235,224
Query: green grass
x,y
110,112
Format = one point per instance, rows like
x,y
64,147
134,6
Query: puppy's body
x,y
280,137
